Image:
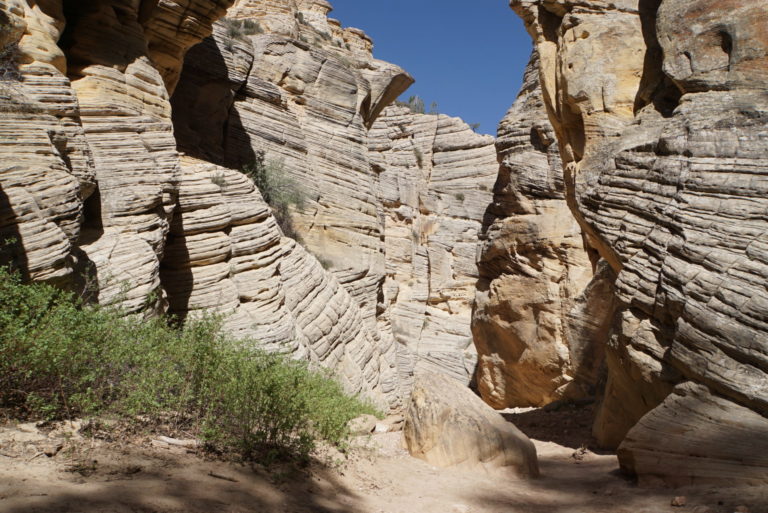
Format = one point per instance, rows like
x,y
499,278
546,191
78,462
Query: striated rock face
x,y
447,425
435,177
541,320
660,110
226,254
93,194
87,93
304,97
46,166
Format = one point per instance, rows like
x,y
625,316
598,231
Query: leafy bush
x,y
419,157
280,191
60,359
416,104
219,179
239,29
459,196
252,27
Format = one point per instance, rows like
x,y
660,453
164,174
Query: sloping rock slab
x,y
447,425
696,437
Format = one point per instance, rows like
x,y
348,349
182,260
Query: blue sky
x,y
468,56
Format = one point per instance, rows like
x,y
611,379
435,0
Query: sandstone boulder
x,y
446,425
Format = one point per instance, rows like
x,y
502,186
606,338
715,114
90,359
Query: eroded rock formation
x,y
226,254
393,205
434,177
541,319
94,195
97,198
660,111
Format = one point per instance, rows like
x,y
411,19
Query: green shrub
x,y
280,191
416,104
419,157
219,179
459,196
252,27
61,359
239,29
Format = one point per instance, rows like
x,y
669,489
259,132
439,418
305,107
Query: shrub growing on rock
x,y
279,190
60,358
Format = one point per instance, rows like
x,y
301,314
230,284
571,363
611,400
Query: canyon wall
x,y
393,200
660,111
122,145
541,315
435,177
95,196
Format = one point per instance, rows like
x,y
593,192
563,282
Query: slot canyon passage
x,y
569,317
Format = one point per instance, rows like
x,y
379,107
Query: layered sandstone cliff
x,y
435,177
541,315
393,203
95,197
660,113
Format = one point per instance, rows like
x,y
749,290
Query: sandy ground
x,y
378,476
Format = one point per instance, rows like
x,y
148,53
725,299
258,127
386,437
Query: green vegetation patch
x,y
281,192
60,358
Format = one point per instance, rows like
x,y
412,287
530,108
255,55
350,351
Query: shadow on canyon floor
x,y
134,481
566,424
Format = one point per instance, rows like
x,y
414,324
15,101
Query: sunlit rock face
x,y
660,111
304,97
226,254
434,178
541,318
89,180
94,195
310,96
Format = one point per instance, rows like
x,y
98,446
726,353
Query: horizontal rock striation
x,y
226,254
89,182
660,111
434,177
93,194
304,97
541,319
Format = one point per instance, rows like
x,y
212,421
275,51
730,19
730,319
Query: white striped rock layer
x,y
434,177
93,195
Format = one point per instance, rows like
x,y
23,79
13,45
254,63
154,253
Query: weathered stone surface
x,y
90,179
447,425
538,324
93,191
306,101
46,169
434,178
226,254
671,192
651,449
304,96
